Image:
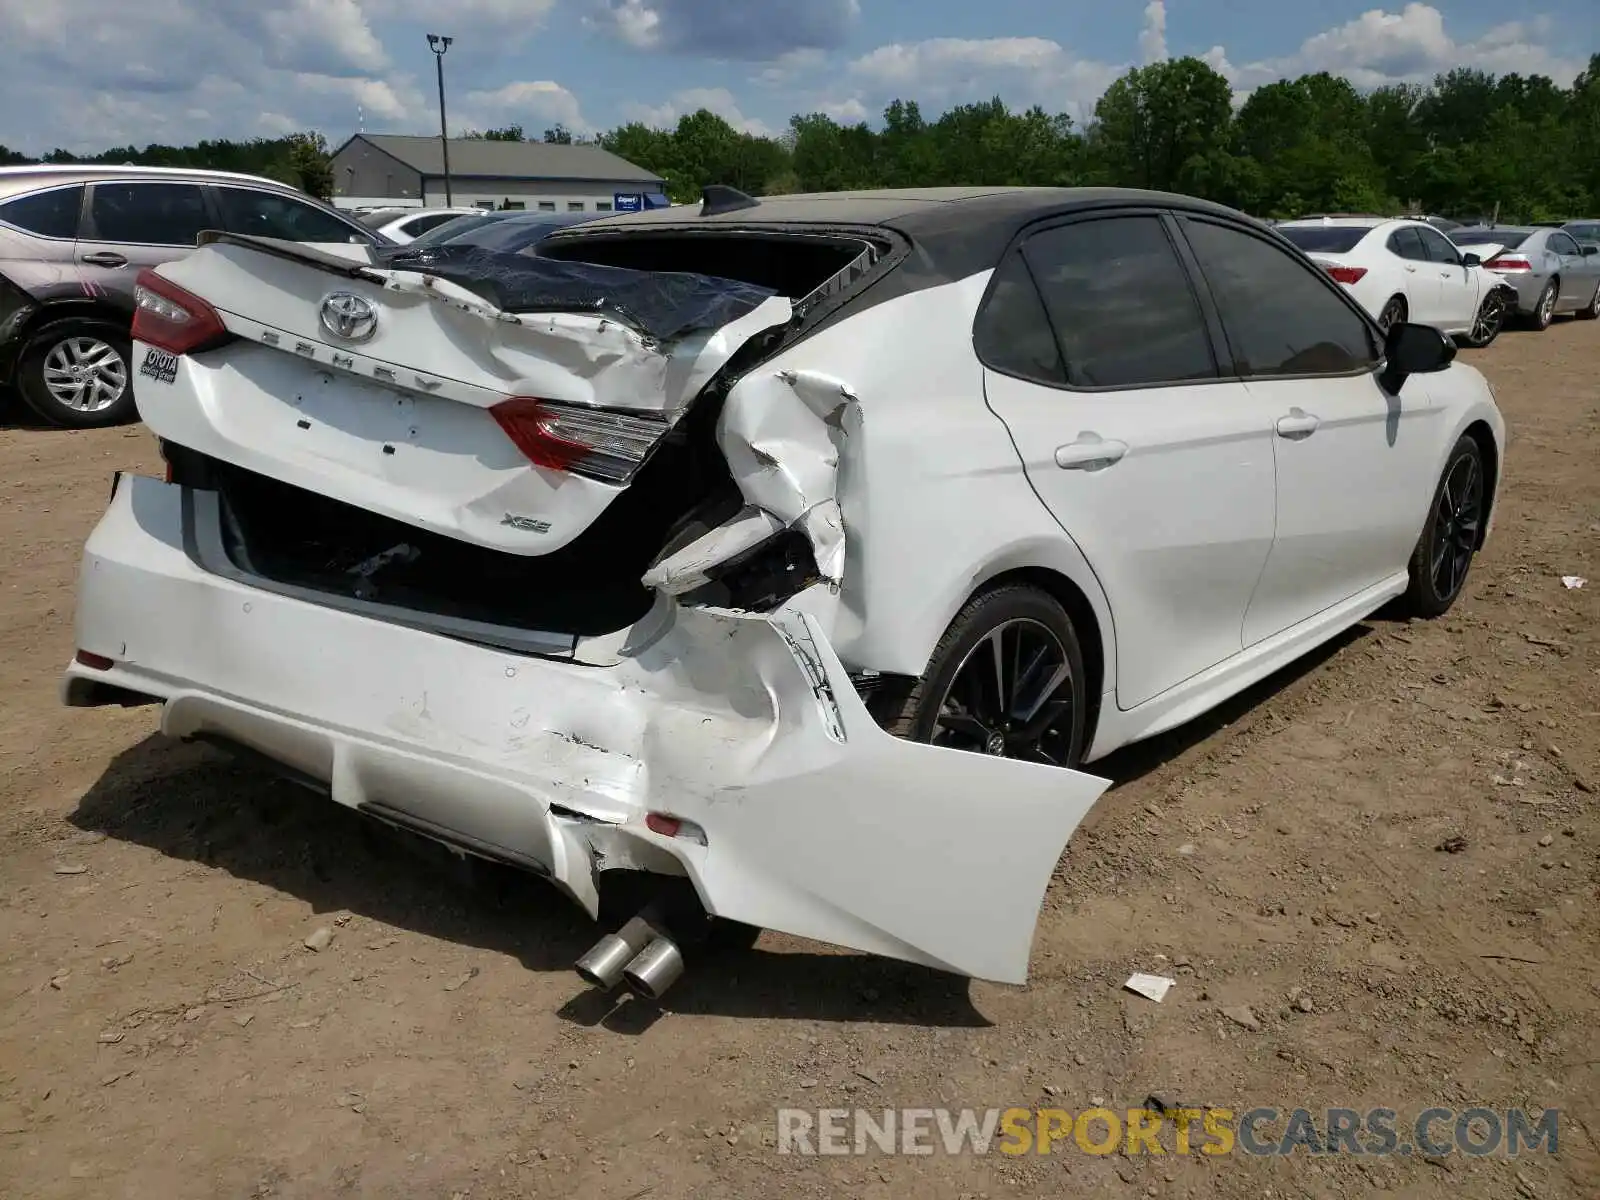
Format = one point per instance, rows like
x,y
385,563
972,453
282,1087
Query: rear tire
x,y
1544,312
1006,679
77,373
1592,313
1394,313
1451,534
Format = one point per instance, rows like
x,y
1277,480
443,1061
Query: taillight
x,y
169,318
1508,262
609,446
1347,274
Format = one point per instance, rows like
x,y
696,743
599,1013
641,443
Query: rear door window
x,y
152,214
1560,243
52,214
273,215
1012,334
1407,243
1121,304
1281,316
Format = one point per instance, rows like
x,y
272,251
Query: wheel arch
x,y
1480,433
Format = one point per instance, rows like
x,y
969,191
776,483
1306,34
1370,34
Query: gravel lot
x,y
165,1033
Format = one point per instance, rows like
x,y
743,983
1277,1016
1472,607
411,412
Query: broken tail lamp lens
x,y
604,445
172,319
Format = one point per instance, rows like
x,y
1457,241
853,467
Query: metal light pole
x,y
439,45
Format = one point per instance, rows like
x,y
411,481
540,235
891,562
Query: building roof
x,y
485,159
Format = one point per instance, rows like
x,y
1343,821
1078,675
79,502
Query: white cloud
x,y
718,100
528,104
1153,37
954,70
332,34
790,66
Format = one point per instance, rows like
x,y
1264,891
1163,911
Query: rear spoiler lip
x,y
295,252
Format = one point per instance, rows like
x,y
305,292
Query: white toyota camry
x,y
792,556
1408,271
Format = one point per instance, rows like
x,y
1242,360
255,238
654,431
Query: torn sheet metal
x,y
781,432
690,567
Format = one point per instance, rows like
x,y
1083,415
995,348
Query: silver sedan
x,y
1551,272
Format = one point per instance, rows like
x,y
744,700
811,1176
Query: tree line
x,y
1470,145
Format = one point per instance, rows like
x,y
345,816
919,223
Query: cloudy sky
x,y
91,73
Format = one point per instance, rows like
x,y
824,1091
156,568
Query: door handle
x,y
1090,452
1298,424
105,258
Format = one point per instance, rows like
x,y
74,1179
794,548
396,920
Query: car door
x,y
1577,273
133,224
1458,289
1354,463
276,215
1100,359
1421,285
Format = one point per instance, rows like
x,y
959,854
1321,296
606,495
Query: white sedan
x,y
1407,271
792,555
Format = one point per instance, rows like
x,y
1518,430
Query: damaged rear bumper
x,y
795,811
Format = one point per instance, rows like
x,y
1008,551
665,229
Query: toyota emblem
x,y
349,317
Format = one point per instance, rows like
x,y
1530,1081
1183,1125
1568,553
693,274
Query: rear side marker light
x,y
95,662
604,445
1347,275
169,318
664,825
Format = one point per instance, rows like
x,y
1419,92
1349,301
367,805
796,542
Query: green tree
x,y
1154,120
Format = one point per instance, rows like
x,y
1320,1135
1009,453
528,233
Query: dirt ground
x,y
165,1033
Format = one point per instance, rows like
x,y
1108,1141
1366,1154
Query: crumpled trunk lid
x,y
398,415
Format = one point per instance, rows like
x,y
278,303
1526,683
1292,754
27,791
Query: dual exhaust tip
x,y
639,954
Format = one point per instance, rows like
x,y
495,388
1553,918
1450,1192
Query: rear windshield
x,y
1510,238
1328,239
1586,232
451,229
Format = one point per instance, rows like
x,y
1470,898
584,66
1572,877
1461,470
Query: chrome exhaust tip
x,y
654,969
603,965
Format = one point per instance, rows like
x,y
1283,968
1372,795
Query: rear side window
x,y
1120,303
49,214
1012,333
1280,316
156,214
268,214
1327,239
1407,243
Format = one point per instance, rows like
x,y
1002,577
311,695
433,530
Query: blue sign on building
x,y
628,202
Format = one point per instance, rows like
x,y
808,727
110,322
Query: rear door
x,y
1100,359
1422,286
1577,276
1354,463
133,224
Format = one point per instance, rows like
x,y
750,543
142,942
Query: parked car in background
x,y
73,240
1551,273
794,553
401,225
461,224
510,233
1407,271
1585,233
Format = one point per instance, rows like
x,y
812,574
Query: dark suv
x,y
74,238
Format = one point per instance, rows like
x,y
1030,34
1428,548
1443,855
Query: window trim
x,y
83,205
1203,301
214,204
1322,277
1554,233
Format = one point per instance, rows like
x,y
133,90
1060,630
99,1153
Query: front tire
x,y
76,373
1006,679
1452,534
1488,323
1592,312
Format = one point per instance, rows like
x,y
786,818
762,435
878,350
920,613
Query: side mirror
x,y
1471,260
1414,350
1591,251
